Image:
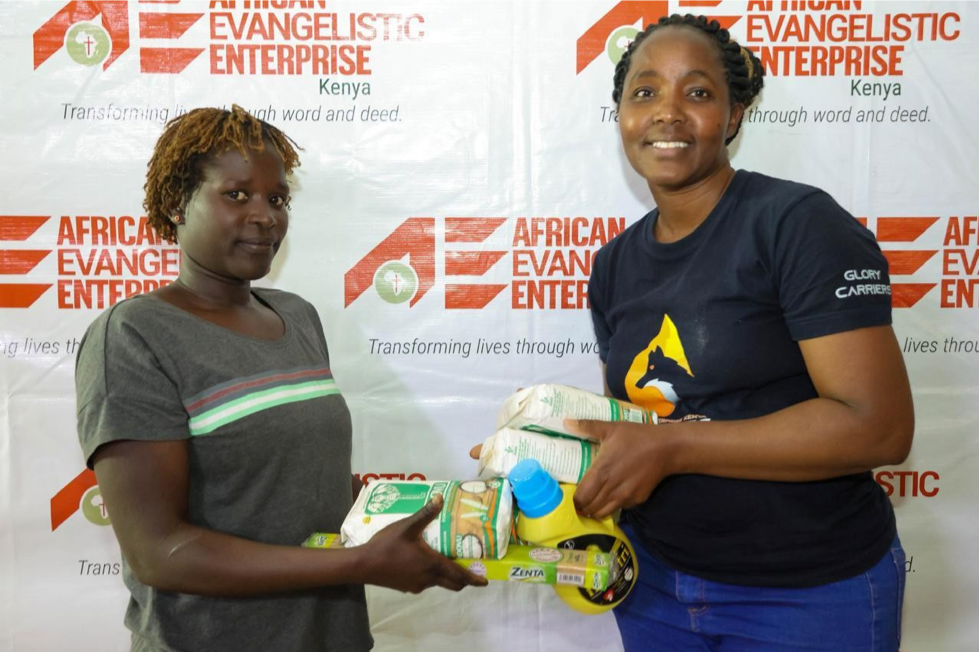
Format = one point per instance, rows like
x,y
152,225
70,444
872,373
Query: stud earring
x,y
175,219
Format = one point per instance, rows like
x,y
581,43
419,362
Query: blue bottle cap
x,y
537,493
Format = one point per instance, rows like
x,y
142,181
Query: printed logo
x,y
646,381
521,574
100,260
93,507
909,484
618,42
368,478
90,44
841,39
796,38
551,259
87,44
250,37
862,282
618,27
79,494
396,282
414,240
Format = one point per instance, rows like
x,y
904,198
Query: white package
x,y
543,408
474,523
565,459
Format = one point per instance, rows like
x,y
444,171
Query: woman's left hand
x,y
632,460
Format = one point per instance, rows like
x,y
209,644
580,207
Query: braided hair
x,y
175,169
743,71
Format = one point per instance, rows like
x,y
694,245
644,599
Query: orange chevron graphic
x,y
18,228
472,296
902,229
20,261
160,25
471,229
470,263
905,263
905,295
21,295
167,60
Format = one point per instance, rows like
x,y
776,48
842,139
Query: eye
x,y
237,195
643,92
700,94
280,201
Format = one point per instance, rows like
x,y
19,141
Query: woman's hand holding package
x,y
630,464
398,558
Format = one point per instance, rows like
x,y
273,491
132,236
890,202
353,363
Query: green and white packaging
x,y
588,569
565,458
543,408
475,521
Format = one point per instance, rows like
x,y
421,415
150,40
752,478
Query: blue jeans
x,y
671,611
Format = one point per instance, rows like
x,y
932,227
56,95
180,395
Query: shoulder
x,y
135,313
289,305
120,335
773,197
776,208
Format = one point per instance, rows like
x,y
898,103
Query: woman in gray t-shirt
x,y
220,440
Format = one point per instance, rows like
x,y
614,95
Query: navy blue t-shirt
x,y
707,328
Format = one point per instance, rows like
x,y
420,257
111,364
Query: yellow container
x,y
547,517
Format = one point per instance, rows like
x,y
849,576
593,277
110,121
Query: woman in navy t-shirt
x,y
754,316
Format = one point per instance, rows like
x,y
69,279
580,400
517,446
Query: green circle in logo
x,y
93,508
619,42
395,282
88,44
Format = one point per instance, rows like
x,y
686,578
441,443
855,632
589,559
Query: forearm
x,y
204,562
817,439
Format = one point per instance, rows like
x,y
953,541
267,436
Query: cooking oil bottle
x,y
547,517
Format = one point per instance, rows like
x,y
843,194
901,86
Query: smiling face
x,y
675,112
236,220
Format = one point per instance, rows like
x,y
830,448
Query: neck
x,y
682,210
211,292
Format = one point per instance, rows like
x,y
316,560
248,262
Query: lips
x,y
666,143
258,244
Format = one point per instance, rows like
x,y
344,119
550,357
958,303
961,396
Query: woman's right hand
x,y
398,558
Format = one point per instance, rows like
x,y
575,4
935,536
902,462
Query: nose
x,y
668,110
263,214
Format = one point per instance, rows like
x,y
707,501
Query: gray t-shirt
x,y
269,441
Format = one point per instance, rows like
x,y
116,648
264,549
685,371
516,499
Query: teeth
x,y
663,144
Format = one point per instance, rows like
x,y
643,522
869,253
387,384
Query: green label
x,y
587,453
616,412
544,431
397,498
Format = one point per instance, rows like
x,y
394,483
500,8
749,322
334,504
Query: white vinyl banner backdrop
x,y
461,166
